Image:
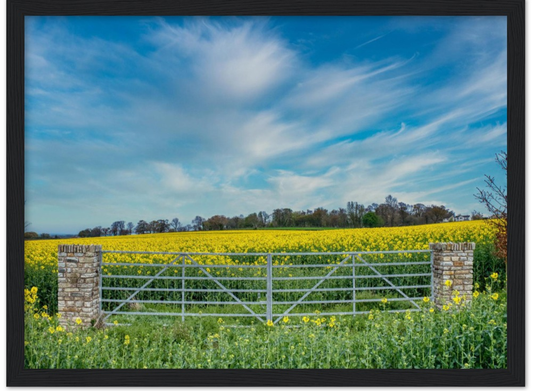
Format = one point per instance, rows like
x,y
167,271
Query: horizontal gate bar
x,y
182,278
294,314
349,277
345,301
179,266
185,302
179,290
356,265
368,288
273,254
178,314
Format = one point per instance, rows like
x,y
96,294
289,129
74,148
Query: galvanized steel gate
x,y
266,275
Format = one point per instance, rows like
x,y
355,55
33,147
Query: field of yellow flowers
x,y
454,338
43,253
41,256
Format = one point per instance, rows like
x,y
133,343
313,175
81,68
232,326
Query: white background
x,y
529,236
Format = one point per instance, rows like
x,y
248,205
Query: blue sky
x,y
131,118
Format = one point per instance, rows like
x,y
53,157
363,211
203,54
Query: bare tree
x,y
26,223
117,227
495,200
355,214
197,223
175,223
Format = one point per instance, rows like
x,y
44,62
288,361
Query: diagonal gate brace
x,y
387,281
313,288
142,287
223,287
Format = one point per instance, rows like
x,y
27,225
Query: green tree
x,y
371,220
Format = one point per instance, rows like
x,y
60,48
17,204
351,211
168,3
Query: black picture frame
x,y
514,375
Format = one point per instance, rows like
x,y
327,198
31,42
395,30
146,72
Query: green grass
x,y
473,336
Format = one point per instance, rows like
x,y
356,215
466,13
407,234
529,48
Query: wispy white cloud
x,y
370,41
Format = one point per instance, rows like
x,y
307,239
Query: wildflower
x,y
51,330
370,317
494,296
456,299
106,336
431,310
36,316
115,322
445,331
305,319
445,307
426,299
285,319
494,276
311,336
88,339
45,307
317,312
475,294
466,365
270,323
220,320
384,300
476,285
59,329
126,340
448,283
34,290
78,320
492,322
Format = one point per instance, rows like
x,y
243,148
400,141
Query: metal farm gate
x,y
262,286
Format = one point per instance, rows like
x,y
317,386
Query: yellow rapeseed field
x,y
43,253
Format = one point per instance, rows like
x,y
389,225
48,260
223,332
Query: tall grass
x,y
465,336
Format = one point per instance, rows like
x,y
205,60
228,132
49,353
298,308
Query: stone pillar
x,y
78,284
452,262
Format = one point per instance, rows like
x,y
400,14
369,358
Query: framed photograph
x,y
266,194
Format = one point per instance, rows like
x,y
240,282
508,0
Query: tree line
x,y
391,213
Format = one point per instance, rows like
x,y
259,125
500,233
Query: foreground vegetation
x,y
471,336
